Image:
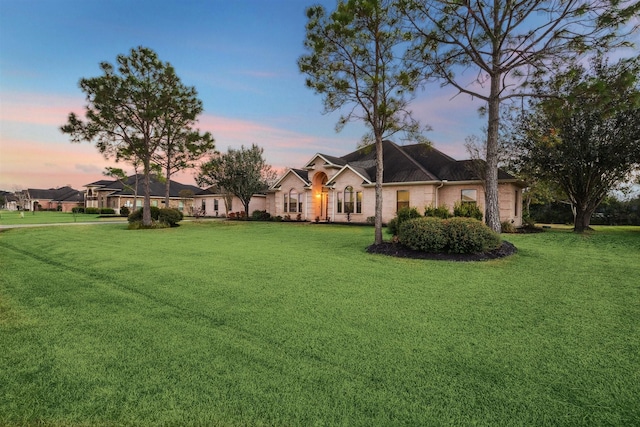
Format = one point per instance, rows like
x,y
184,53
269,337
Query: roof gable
x,y
302,175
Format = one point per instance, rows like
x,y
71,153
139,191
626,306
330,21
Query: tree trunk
x,y
492,209
378,190
167,187
582,219
146,207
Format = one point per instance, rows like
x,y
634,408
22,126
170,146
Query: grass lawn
x,y
234,323
47,217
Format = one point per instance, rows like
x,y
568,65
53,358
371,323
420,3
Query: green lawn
x,y
234,323
46,217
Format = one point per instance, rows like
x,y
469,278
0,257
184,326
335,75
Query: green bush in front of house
x,y
136,216
467,210
92,211
404,214
170,216
454,235
439,212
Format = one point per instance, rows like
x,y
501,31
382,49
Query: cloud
x,y
40,109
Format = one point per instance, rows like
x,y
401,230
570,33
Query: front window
x,y
339,201
359,202
403,199
348,199
215,204
469,196
293,201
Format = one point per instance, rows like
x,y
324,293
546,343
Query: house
x,y
116,193
342,189
53,199
213,202
9,201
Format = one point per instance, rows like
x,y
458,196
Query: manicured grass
x,y
47,217
233,323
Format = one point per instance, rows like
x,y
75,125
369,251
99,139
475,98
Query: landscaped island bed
x,y
246,323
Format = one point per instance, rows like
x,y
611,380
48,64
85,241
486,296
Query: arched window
x,y
348,200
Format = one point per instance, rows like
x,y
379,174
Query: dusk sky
x,y
240,55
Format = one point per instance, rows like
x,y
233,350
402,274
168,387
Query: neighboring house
x,y
115,194
212,202
342,189
10,201
54,199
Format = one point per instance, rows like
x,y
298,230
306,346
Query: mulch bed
x,y
401,251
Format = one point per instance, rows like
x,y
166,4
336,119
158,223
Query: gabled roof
x,y
157,187
303,175
414,163
328,161
62,194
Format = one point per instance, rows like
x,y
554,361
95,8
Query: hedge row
x,y
455,235
167,216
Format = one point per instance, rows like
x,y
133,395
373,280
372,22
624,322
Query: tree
x,y
126,108
588,139
121,177
506,42
354,60
182,145
242,172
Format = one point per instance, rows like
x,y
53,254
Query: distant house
x,y
329,188
115,194
10,201
53,199
212,202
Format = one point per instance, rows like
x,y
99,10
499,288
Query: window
x,y
359,202
339,201
139,203
403,199
469,196
215,204
286,202
515,208
154,203
180,206
293,201
348,199
203,208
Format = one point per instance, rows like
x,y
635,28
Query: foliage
x,y
242,172
439,212
125,211
92,211
259,215
136,216
426,234
354,60
170,216
467,210
78,210
127,108
586,138
507,43
454,235
507,227
404,214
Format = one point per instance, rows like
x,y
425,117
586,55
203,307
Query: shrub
x,y
125,211
137,214
371,220
425,234
454,235
440,212
107,211
467,210
507,227
402,215
92,211
260,215
78,210
170,216
468,236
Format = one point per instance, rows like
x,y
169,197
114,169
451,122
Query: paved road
x,y
2,226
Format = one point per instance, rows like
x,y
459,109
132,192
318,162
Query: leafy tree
x,y
504,43
588,139
126,111
242,172
354,59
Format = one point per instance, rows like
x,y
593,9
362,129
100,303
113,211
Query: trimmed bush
x,y
170,216
78,210
425,234
468,236
107,211
125,211
260,215
467,210
402,215
440,212
454,235
92,211
137,214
